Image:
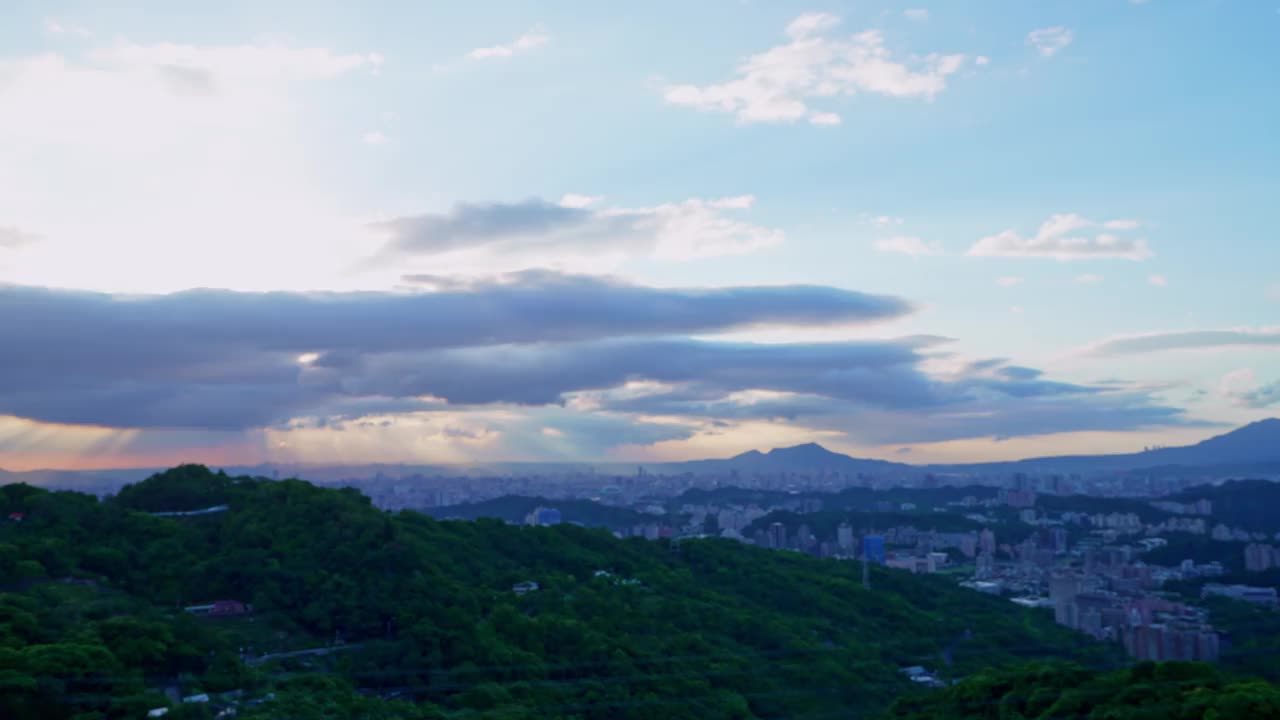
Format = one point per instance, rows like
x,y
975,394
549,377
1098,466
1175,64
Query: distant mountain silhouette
x,y
807,457
1256,444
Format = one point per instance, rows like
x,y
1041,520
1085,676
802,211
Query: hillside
x,y
1247,504
1255,446
1172,691
425,612
810,457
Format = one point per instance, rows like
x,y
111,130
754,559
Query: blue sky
x,y
1033,179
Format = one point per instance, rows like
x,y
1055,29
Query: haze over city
x,y
482,232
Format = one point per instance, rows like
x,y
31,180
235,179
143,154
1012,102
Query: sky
x,y
439,232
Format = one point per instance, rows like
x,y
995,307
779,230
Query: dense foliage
x,y
418,619
1170,691
1200,549
1246,504
425,612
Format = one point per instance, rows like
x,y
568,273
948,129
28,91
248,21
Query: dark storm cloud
x,y
224,359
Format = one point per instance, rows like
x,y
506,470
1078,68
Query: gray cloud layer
x,y
610,354
1189,340
224,359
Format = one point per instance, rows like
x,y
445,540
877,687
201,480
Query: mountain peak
x,y
810,449
1255,431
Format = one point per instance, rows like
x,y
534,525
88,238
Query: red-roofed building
x,y
17,516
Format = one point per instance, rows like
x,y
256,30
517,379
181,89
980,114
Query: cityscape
x,y
715,360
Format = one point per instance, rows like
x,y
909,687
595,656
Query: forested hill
x,y
1248,504
514,509
1056,691
91,619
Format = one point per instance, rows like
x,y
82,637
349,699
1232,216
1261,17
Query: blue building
x,y
873,548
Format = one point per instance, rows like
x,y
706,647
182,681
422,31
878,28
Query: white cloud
x,y
193,157
374,137
1158,280
982,60
879,220
917,14
1048,41
535,38
12,237
1243,389
249,64
810,24
824,118
55,26
574,200
776,85
1064,237
1009,281
1273,292
1089,279
908,245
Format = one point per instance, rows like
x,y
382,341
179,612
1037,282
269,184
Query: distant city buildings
x,y
1259,557
1246,593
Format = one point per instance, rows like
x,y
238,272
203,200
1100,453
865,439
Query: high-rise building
x,y
543,516
986,566
1259,557
987,541
1063,590
1058,539
873,548
777,536
844,536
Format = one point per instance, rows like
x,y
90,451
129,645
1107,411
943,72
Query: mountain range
x,y
1250,450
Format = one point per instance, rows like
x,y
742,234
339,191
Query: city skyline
x,y
927,232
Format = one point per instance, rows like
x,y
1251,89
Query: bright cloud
x,y
374,137
193,156
777,85
1158,280
917,14
1048,41
908,245
12,237
54,26
575,200
1243,389
1009,281
1066,237
534,38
